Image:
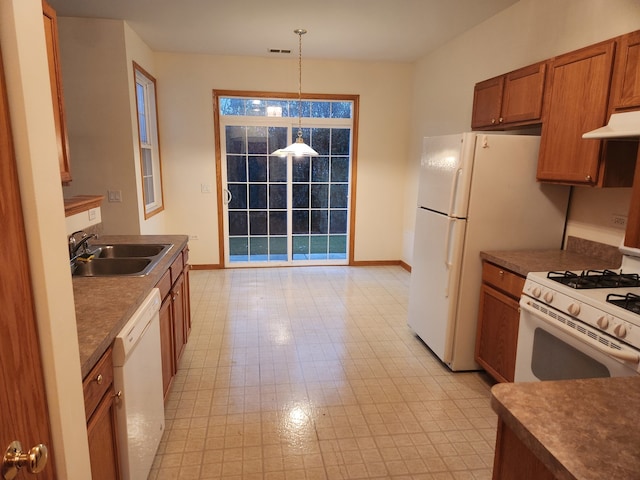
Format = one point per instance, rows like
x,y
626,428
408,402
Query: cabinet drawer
x,y
164,284
97,383
176,268
505,280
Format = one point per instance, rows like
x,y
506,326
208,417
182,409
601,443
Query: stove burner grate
x,y
630,301
595,279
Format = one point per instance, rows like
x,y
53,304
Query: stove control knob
x,y
620,331
603,322
574,309
536,292
548,297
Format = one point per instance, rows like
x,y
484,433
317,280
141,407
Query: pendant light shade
x,y
298,148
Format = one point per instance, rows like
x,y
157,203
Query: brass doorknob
x,y
35,460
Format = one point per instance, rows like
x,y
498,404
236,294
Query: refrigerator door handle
x,y
454,191
448,261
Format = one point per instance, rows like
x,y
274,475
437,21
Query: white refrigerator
x,y
476,192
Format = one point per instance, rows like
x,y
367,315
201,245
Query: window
x,y
150,166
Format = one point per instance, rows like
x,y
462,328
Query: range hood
x,y
621,125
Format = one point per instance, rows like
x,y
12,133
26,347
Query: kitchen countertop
x,y
580,429
104,304
524,261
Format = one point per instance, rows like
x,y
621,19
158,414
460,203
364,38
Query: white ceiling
x,y
369,30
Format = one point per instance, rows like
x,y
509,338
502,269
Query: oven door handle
x,y
624,356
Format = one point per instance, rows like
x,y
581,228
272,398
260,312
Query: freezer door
x,y
445,173
434,280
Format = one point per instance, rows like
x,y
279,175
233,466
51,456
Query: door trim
x,y
307,96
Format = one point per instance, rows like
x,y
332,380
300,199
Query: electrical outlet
x,y
205,188
193,237
619,221
92,214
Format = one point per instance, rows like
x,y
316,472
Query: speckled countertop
x,y
580,429
580,254
525,261
104,304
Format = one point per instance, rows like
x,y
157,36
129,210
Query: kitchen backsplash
x,y
594,249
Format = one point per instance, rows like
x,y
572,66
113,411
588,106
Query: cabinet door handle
x,y
99,379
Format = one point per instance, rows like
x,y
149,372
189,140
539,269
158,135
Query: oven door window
x,y
553,359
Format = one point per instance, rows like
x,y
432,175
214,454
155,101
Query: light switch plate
x,y
114,196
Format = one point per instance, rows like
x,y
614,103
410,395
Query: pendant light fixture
x,y
298,148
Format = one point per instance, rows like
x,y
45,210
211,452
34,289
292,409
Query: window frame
x,y
152,145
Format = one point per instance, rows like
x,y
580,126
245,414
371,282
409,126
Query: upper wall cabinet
x,y
625,89
575,102
569,95
510,100
55,76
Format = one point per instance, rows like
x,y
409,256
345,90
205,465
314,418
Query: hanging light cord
x,y
300,32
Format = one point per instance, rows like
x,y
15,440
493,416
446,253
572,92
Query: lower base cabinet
x,y
513,460
498,321
100,410
175,317
166,345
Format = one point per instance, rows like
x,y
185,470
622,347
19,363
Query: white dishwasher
x,y
138,375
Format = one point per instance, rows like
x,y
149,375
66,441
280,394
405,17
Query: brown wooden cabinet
x,y
625,88
175,316
514,460
99,404
632,234
166,333
575,102
498,320
510,100
55,78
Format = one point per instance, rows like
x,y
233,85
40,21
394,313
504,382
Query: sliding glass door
x,y
285,210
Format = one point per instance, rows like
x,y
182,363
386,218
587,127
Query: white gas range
x,y
580,324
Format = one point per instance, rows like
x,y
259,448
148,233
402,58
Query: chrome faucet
x,y
75,245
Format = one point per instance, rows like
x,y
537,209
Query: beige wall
x,y
139,52
97,78
29,94
185,85
529,31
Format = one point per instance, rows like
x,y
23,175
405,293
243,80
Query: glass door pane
x,y
281,210
256,183
321,196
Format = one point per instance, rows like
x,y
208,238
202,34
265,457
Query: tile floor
x,y
312,373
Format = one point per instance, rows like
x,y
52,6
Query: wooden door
x,y
166,345
632,235
625,91
55,78
23,405
178,305
497,338
487,103
575,102
523,93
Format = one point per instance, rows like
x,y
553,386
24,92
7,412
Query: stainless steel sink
x,y
113,266
124,259
130,250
